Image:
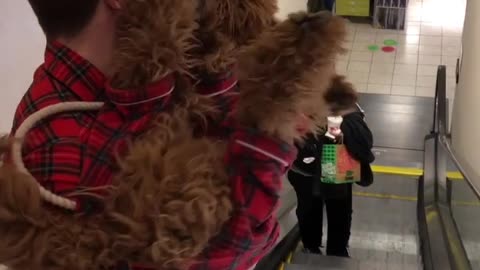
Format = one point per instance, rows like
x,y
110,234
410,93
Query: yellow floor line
x,y
385,196
455,176
403,171
407,198
410,172
460,203
289,258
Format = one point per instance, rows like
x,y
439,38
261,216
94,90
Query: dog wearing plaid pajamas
x,y
155,179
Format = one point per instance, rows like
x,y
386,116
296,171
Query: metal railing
x,y
442,246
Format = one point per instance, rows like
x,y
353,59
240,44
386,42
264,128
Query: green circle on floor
x,y
390,42
373,48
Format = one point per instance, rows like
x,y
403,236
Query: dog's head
x,y
291,67
341,96
226,25
152,40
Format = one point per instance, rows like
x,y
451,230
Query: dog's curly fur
x,y
171,194
290,67
152,41
224,27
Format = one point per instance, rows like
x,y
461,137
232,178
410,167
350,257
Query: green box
x,y
360,8
338,166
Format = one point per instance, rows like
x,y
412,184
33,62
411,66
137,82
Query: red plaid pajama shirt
x,y
76,149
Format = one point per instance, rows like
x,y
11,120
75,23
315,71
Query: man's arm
x,y
256,165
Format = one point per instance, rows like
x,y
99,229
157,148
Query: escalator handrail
x,y
445,142
440,126
281,251
440,110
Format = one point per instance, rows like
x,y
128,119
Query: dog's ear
x,y
341,95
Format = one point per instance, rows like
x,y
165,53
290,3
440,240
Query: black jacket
x,y
358,140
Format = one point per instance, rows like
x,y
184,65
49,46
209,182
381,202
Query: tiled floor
x,y
432,37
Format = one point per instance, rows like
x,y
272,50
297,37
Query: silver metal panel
x,y
314,267
310,262
466,212
436,255
392,260
287,222
458,257
403,158
388,185
288,198
398,157
384,226
429,175
435,238
323,261
398,122
286,212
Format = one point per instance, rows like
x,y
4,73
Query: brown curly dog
x,y
171,194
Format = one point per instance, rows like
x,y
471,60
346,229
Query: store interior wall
x,y
22,45
465,127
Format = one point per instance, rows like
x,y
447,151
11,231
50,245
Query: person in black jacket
x,y
319,5
313,195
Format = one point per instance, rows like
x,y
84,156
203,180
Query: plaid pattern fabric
x,y
77,149
223,90
257,166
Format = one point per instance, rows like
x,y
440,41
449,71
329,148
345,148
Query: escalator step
x,y
324,261
303,261
315,267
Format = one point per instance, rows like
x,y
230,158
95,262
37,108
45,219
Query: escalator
x,y
384,230
421,212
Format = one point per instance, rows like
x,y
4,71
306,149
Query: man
x,y
74,149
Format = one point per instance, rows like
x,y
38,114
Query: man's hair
x,y
64,18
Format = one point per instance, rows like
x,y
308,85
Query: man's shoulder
x,y
43,92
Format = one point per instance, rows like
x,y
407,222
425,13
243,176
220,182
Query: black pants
x,y
315,5
310,216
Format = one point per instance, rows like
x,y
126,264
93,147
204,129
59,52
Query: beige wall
x,y
22,46
289,6
466,111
